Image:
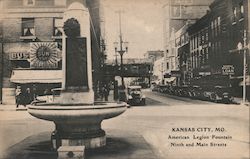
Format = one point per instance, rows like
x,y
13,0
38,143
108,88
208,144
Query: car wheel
x,y
213,98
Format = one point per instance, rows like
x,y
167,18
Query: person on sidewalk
x,y
106,92
27,97
18,96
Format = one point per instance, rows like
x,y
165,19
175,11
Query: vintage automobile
x,y
221,94
135,96
48,96
196,92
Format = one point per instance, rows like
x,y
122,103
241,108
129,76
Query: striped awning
x,y
36,76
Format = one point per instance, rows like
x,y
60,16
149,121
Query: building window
x,y
235,11
167,65
219,21
203,57
58,27
196,59
241,10
234,15
206,36
212,48
215,27
28,28
195,42
182,39
199,39
177,42
202,38
28,2
60,2
219,24
206,54
212,28
191,44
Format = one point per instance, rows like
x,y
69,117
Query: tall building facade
x,y
176,15
31,44
154,55
211,55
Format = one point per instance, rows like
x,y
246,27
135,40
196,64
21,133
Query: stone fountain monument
x,y
76,116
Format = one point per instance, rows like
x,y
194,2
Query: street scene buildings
x,y
201,46
178,92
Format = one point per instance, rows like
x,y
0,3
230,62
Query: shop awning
x,y
36,76
171,79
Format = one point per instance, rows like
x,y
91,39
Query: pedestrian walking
x,y
34,91
106,92
18,96
27,97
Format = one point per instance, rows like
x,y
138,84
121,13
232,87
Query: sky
x,y
142,25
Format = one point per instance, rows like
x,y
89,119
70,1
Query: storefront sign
x,y
205,46
204,73
181,2
167,75
175,74
228,70
44,55
19,56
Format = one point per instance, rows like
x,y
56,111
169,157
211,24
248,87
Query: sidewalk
x,y
12,107
5,107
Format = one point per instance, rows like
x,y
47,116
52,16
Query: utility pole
x,y
1,60
116,62
244,47
122,50
245,65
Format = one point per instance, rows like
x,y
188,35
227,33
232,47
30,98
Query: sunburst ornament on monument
x,y
44,55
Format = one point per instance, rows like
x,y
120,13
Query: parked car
x,y
155,88
221,94
135,96
163,88
184,91
196,92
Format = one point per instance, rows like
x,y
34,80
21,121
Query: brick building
x,y
213,43
177,13
182,43
31,44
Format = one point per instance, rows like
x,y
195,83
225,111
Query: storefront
x,y
35,66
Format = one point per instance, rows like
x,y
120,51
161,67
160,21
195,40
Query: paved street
x,y
151,131
170,100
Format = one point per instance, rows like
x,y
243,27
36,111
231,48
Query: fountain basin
x,y
57,112
77,125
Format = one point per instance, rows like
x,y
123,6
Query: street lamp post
x,y
243,47
121,51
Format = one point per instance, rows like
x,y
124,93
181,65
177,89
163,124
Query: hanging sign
x,y
44,55
228,70
19,56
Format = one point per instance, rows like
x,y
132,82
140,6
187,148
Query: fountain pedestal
x,y
76,116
